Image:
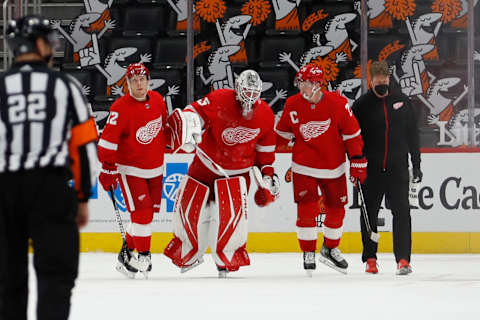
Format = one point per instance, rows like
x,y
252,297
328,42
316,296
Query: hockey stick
x,y
120,225
256,171
216,165
373,235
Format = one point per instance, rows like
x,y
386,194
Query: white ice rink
x,y
276,287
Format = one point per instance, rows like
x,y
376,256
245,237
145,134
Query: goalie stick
x,y
256,171
372,235
219,168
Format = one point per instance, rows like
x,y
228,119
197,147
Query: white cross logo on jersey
x,y
147,133
233,136
313,129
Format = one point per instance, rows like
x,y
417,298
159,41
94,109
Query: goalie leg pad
x,y
189,204
229,224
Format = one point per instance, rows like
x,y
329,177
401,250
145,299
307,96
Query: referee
x,y
47,135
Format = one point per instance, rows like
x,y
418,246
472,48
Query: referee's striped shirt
x,y
45,121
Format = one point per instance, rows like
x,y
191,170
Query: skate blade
x,y
309,273
222,274
330,264
121,268
403,272
145,274
193,265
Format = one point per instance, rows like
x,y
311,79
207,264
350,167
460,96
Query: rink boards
x,y
447,219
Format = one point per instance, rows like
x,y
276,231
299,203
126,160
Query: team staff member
x,y
47,133
390,132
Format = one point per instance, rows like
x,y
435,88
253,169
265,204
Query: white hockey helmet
x,y
248,87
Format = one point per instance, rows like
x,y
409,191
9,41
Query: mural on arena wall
x,y
415,41
84,32
180,7
286,14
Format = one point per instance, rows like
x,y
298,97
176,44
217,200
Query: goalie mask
x,y
138,80
309,78
248,87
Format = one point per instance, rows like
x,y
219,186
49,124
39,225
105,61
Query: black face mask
x,y
381,89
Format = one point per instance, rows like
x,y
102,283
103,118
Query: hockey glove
x,y
358,169
417,175
268,186
108,176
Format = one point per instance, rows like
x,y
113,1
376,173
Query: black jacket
x,y
389,130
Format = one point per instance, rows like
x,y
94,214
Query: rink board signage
x,y
449,199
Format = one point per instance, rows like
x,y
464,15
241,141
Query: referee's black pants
x,y
394,184
37,205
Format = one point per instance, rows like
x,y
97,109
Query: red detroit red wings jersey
x,y
232,141
134,136
323,133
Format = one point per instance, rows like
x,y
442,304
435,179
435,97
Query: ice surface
x,y
275,286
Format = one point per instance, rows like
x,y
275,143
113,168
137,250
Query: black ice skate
x,y
125,258
333,259
309,262
222,272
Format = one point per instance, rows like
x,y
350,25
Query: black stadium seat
x,y
85,77
146,21
276,79
170,52
171,77
272,46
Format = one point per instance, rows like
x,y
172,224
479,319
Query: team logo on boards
x,y
173,176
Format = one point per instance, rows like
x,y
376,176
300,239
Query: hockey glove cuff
x,y
358,169
108,176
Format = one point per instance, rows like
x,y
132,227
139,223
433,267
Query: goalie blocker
x,y
222,224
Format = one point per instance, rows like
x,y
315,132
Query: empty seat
x,y
272,46
171,83
277,86
457,48
170,52
85,78
146,21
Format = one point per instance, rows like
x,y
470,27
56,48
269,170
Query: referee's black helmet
x,y
23,33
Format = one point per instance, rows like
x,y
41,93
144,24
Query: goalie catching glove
x,y
268,186
185,130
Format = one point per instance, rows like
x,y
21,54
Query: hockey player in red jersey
x,y
131,150
324,130
211,207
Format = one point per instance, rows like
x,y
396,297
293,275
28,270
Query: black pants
x,y
394,185
37,205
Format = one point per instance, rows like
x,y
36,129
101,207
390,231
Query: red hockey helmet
x,y
311,73
137,69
